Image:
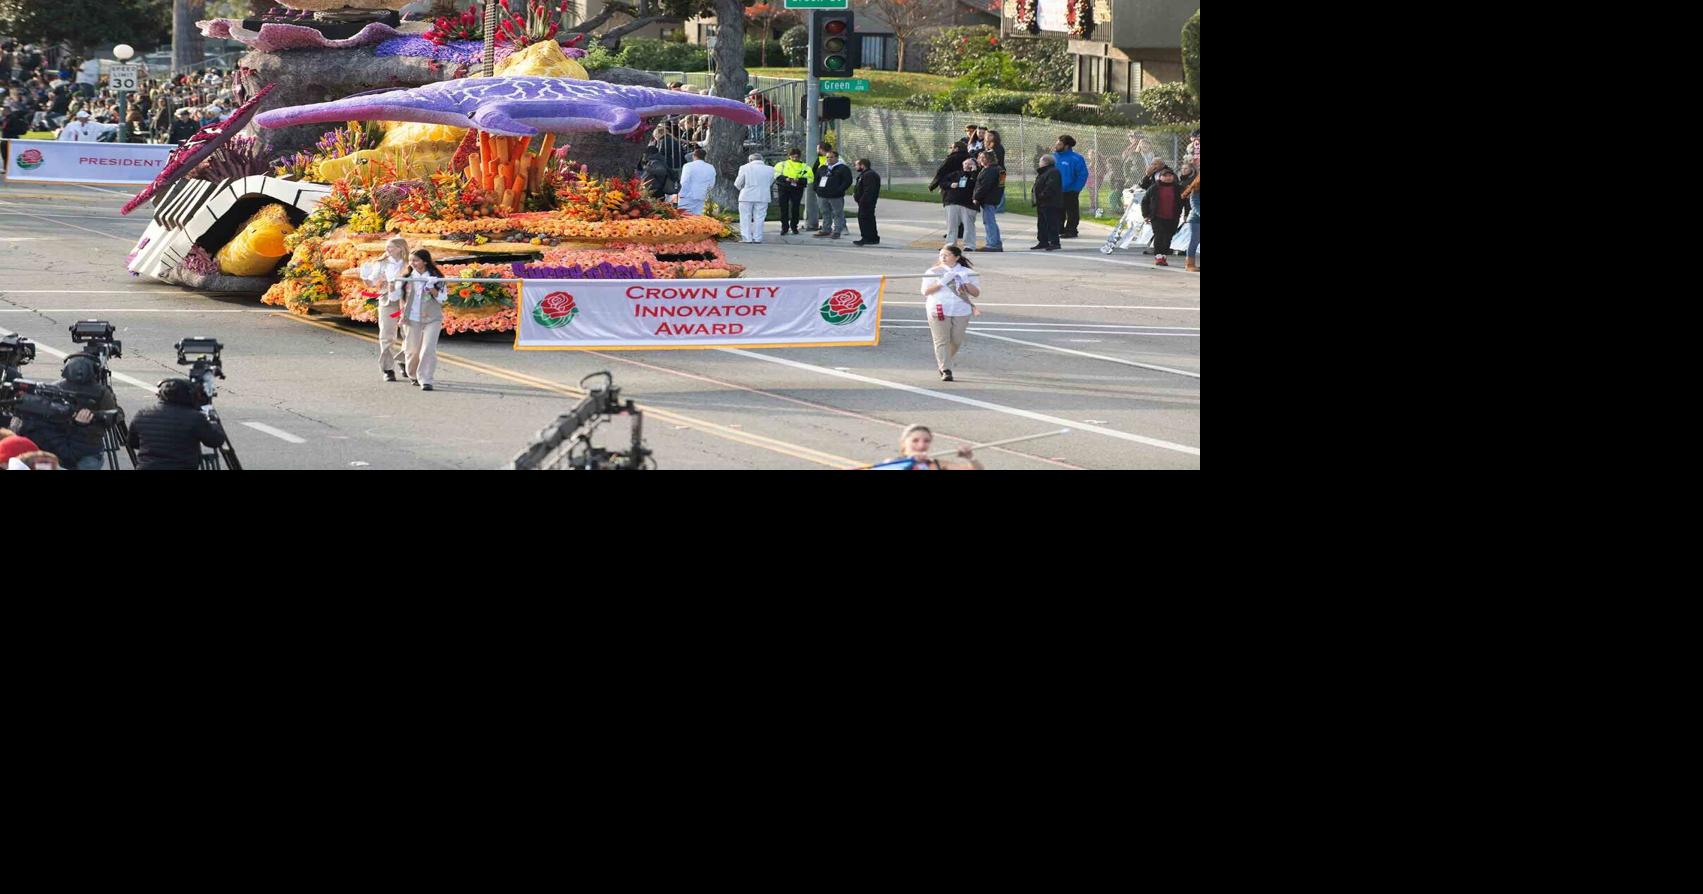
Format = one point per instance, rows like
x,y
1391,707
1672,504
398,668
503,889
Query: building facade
x,y
1133,44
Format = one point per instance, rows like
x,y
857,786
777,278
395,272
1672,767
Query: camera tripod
x,y
116,438
210,458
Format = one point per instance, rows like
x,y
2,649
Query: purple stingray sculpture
x,y
516,106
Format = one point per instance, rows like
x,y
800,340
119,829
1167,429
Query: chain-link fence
x,y
906,148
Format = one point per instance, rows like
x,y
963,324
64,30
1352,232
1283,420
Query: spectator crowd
x,y
66,97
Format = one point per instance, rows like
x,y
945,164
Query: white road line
x,y
1036,344
71,225
20,239
55,352
278,433
103,189
1073,425
1067,331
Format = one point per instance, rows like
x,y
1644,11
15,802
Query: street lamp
x,y
122,53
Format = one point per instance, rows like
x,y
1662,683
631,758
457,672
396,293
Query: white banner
x,y
649,314
119,164
1051,15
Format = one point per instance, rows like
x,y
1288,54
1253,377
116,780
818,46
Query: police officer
x,y
169,434
76,439
794,177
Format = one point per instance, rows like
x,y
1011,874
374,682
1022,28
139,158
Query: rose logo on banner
x,y
843,307
555,311
30,159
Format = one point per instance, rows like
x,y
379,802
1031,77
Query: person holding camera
x,y
76,439
422,312
169,435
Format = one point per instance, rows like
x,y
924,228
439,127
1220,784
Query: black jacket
x,y
954,164
1150,202
1049,187
960,195
169,436
839,180
868,189
988,190
182,130
66,438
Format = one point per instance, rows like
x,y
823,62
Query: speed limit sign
x,y
122,78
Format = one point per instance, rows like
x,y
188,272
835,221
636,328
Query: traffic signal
x,y
835,108
834,44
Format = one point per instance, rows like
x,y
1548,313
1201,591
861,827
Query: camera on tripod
x,y
201,355
98,335
566,444
16,350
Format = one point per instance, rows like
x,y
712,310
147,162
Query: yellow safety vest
x,y
792,170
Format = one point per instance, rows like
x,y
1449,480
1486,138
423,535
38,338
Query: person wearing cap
x,y
183,128
754,182
212,114
81,129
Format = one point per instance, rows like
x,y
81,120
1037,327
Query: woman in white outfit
x,y
384,275
947,300
422,312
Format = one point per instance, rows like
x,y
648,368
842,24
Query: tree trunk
x,y
186,44
901,39
726,149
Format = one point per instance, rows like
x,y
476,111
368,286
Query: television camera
x,y
202,355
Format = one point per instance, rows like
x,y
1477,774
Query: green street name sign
x,y
816,4
845,85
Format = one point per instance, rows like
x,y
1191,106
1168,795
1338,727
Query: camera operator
x,y
169,434
76,439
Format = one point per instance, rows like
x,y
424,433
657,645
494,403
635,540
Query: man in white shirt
x,y
89,78
754,181
696,178
81,130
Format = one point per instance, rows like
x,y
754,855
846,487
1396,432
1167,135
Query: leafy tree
x,y
1191,55
85,24
795,43
726,149
765,16
908,18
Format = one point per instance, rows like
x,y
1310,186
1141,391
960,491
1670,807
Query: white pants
x,y
751,216
692,206
949,335
389,342
422,350
958,214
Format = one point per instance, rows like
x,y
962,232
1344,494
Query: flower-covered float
x,y
475,170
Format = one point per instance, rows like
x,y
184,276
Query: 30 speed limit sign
x,y
122,78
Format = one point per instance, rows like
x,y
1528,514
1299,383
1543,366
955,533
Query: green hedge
x,y
754,50
1170,103
663,55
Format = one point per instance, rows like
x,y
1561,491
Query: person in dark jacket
x,y
1162,207
960,192
169,434
949,170
183,128
832,180
990,191
867,192
77,439
1049,205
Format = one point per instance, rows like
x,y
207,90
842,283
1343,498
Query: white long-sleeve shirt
x,y
379,272
696,178
942,303
81,132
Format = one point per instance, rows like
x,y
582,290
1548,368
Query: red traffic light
x,y
835,27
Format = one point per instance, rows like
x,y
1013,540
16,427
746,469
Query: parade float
x,y
523,174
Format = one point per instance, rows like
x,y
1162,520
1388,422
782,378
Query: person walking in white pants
x,y
382,275
423,311
754,182
946,299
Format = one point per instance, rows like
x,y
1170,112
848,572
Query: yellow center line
x,y
796,451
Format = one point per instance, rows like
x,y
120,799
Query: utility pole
x,y
812,108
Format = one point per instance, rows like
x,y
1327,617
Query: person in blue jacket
x,y
1073,169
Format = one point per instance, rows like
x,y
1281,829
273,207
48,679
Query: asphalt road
x,y
1106,346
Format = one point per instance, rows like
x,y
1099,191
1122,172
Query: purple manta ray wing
x,y
517,106
198,147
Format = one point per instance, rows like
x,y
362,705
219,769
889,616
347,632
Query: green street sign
x,y
845,85
816,4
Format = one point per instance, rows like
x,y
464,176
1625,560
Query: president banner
x,y
648,314
52,161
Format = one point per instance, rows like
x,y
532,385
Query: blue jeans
x,y
1194,235
991,225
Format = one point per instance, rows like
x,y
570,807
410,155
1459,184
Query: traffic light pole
x,y
812,108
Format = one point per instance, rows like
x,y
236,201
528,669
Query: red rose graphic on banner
x,y
555,311
29,159
843,307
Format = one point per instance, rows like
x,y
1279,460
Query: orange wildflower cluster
x,y
587,198
683,229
